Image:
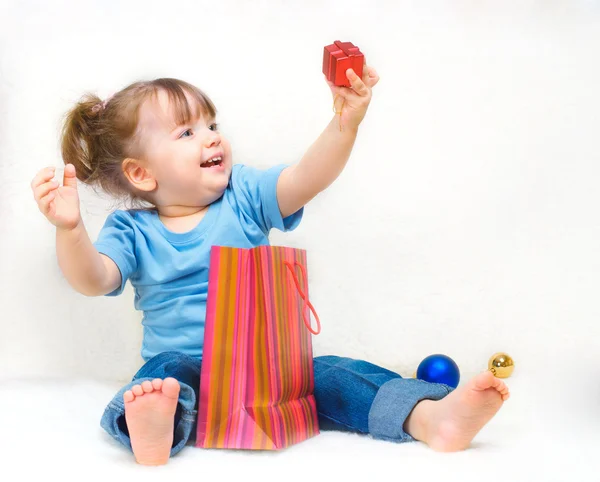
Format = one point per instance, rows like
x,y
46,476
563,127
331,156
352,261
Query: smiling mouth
x,y
215,161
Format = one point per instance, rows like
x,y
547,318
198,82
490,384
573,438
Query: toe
x,y
137,390
502,388
170,387
128,396
147,386
484,380
157,383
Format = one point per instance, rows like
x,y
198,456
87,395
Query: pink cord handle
x,y
307,303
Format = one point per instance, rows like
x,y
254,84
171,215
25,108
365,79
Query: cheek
x,y
174,172
186,159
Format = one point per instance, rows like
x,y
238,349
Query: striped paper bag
x,y
257,380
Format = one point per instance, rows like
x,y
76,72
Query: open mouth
x,y
214,162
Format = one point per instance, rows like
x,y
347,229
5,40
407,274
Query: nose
x,y
212,139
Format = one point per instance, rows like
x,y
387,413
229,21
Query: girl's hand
x,y
353,101
60,204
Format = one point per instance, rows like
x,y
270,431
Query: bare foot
x,y
150,414
449,424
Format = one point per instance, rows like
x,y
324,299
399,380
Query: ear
x,y
139,177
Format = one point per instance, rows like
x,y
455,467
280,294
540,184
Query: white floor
x,y
51,427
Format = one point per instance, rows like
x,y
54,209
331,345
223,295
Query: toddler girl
x,y
158,144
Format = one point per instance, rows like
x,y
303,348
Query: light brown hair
x,y
98,136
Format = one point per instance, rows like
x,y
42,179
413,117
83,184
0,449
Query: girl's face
x,y
191,163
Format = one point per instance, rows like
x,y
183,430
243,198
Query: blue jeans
x,y
352,395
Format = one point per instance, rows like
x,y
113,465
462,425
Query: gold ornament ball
x,y
501,365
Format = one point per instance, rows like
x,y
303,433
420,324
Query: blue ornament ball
x,y
439,369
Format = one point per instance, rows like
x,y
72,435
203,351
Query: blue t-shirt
x,y
169,271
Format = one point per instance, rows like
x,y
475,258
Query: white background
x,y
465,223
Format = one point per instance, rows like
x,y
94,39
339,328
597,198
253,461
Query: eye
x,y
186,133
214,126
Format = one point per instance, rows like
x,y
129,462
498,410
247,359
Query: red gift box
x,y
339,57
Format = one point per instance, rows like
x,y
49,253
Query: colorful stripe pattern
x,y
257,380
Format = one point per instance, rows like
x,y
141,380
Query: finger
x,y
44,203
356,83
42,176
341,91
70,178
365,71
371,77
44,189
335,89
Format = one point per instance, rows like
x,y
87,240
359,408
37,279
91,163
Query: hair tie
x,y
102,105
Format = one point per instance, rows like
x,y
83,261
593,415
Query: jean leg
x,y
358,396
186,370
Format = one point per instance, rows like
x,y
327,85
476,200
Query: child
x,y
158,144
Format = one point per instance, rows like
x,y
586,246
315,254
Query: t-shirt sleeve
x,y
256,192
117,241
